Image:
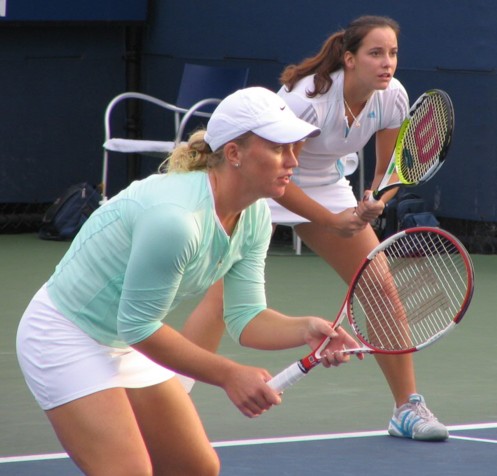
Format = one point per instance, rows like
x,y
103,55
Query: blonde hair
x,y
330,57
193,155
196,154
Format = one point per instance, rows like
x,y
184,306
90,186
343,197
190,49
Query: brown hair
x,y
330,57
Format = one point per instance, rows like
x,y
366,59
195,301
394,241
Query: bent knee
x,y
208,466
116,467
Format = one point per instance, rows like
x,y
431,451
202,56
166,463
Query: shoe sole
x,y
441,437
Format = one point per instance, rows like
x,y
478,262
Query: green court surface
x,y
458,375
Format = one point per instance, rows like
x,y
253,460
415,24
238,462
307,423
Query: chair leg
x,y
297,243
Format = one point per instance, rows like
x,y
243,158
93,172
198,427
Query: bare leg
x,y
103,433
172,430
345,255
100,434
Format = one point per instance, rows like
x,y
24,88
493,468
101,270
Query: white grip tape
x,y
286,378
358,350
372,199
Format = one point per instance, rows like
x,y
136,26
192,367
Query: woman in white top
x,y
348,90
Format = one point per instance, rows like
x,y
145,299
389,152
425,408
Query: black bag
x,y
404,211
66,215
412,220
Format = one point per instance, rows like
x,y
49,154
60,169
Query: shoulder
x,y
397,90
260,210
394,90
189,190
311,109
170,224
297,98
300,88
169,187
393,103
306,84
165,205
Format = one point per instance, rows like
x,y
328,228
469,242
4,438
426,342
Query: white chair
x,y
201,88
297,243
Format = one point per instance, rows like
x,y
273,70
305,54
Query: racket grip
x,y
361,350
286,378
374,196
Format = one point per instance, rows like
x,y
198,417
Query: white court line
x,y
286,439
340,436
292,439
472,426
20,459
478,440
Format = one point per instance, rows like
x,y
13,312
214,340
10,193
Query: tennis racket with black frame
x,y
422,144
410,291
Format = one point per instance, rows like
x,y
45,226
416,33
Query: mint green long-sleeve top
x,y
152,246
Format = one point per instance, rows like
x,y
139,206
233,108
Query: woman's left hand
x,y
333,354
369,210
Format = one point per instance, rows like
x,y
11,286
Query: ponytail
x,y
194,155
328,60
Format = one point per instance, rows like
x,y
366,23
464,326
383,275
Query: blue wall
x,y
54,84
56,79
71,10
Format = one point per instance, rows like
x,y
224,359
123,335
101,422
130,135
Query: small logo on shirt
x,y
371,115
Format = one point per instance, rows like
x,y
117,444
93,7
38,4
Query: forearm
x,y
169,348
385,143
271,330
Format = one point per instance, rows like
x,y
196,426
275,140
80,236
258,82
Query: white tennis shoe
x,y
414,420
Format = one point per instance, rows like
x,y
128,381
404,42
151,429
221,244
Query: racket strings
x,y
409,293
424,139
383,329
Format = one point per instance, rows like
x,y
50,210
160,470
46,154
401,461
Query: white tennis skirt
x,y
61,363
336,197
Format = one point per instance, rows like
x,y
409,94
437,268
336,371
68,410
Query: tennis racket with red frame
x,y
422,144
410,291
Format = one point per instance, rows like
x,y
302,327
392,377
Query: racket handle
x,y
374,196
359,350
286,378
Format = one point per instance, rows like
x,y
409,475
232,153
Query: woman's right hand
x,y
246,387
347,223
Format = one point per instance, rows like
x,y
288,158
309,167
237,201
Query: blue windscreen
x,y
72,10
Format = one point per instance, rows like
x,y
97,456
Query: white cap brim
x,y
260,111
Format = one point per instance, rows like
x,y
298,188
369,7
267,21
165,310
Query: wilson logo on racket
x,y
426,137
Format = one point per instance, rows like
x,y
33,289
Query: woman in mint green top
x,y
94,344
154,245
